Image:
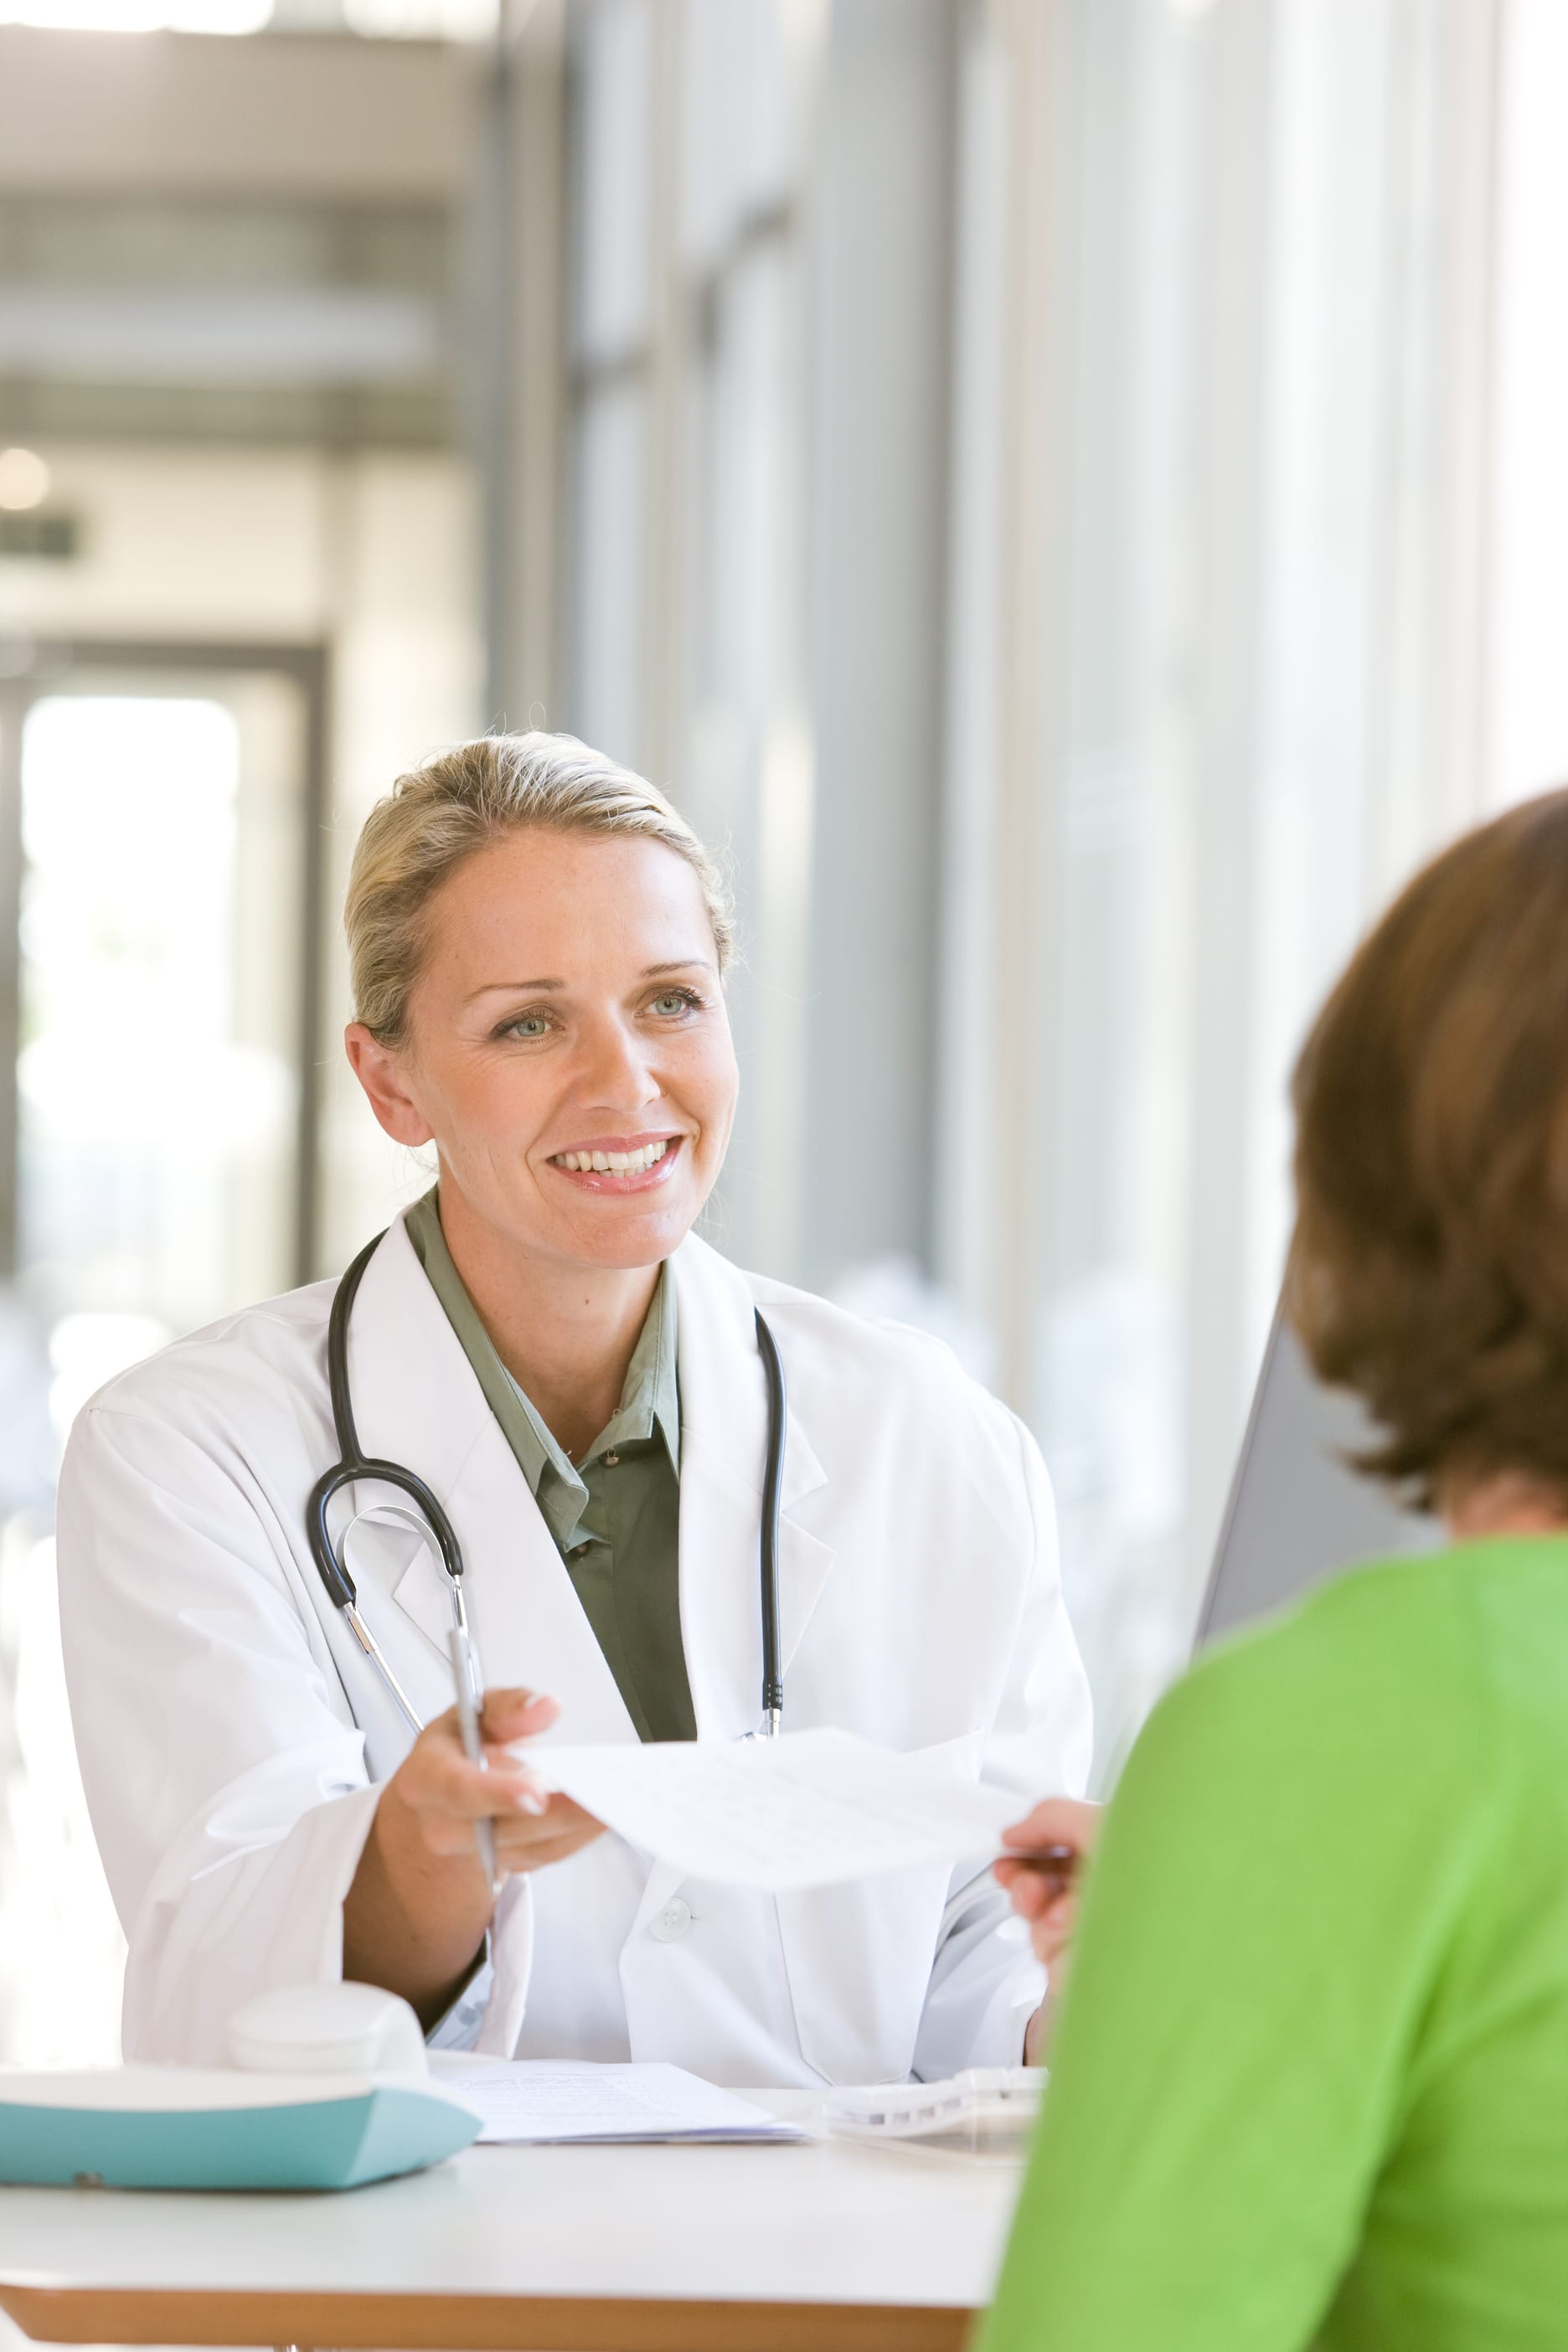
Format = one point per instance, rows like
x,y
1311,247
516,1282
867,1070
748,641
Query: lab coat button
x,y
672,1922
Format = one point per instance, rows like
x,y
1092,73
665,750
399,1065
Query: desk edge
x,y
476,2323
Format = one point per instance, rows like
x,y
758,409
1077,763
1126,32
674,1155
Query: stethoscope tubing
x,y
353,1466
773,1483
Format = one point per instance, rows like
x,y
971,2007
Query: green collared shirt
x,y
615,1516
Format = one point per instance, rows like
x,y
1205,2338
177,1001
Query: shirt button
x,y
672,1922
610,1461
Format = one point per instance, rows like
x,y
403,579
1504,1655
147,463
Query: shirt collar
x,y
651,1396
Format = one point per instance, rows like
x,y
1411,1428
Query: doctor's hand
x,y
415,1916
1042,1875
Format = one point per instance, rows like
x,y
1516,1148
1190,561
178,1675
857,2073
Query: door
x,y
160,899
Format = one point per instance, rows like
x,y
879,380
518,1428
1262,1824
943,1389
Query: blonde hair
x,y
440,812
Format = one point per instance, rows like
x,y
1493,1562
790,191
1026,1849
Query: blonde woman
x,y
538,945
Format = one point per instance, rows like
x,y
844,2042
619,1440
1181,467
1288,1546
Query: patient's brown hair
x,y
1429,1268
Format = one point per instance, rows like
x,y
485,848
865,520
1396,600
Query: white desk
x,y
831,2245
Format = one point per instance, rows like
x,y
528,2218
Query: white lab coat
x,y
232,1733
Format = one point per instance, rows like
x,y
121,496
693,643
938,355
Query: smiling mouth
x,y
628,1167
615,1163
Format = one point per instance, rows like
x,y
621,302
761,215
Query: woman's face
x,y
568,1048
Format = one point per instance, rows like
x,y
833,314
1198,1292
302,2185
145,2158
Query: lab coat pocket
x,y
859,1957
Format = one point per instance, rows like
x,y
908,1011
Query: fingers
x,y
1041,1892
1035,1897
1053,1865
1040,1874
530,1840
536,1846
511,1714
1050,1914
1058,1822
505,1783
440,1793
439,1778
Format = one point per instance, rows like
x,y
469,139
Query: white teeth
x,y
614,1163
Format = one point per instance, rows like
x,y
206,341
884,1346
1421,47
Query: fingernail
x,y
532,1800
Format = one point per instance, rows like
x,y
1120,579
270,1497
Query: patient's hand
x,y
1041,1875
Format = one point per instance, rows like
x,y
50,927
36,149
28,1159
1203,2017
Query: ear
x,y
379,1070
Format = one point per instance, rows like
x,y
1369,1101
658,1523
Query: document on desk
x,y
811,1809
550,2100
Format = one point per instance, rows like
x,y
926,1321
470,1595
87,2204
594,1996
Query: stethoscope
x,y
353,1465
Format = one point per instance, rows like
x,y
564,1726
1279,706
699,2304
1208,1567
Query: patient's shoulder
x,y
1370,1657
1419,1629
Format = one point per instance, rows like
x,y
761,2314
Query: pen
x,y
1058,1862
465,1674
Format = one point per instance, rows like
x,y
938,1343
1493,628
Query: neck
x,y
566,1333
1505,1503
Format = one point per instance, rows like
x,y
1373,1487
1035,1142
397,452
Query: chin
x,y
630,1242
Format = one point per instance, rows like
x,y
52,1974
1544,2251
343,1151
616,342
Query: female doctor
x,y
537,944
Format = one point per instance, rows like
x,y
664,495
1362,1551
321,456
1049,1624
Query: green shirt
x,y
1311,2081
615,1516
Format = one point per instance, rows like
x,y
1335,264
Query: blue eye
x,y
528,1024
675,1001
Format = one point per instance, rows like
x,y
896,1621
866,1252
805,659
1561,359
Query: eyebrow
x,y
527,987
512,987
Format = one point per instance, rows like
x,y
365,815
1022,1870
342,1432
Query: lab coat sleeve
x,y
224,1776
986,1983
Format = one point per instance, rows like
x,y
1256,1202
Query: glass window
x,y
157,1133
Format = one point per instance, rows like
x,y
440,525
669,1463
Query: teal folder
x,y
157,2128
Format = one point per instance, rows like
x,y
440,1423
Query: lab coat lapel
x,y
724,1448
417,1402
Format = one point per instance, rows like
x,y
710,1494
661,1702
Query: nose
x,y
615,1070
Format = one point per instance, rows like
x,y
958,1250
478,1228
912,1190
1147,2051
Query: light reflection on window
x,y
139,15
125,1078
136,1108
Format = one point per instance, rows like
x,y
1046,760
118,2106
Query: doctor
x,y
538,945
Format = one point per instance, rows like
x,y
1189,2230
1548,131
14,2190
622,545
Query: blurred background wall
x,y
1070,494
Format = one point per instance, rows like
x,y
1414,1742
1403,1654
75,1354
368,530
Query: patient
x,y
1311,2082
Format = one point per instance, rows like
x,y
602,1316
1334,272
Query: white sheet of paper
x,y
811,1809
548,2100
